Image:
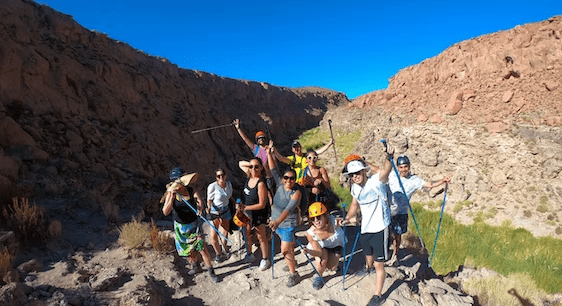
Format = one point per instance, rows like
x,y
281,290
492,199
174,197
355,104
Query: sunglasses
x,y
261,137
355,173
312,157
254,167
291,178
221,175
315,218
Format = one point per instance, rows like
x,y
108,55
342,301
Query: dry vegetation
x,y
5,262
134,234
26,220
159,240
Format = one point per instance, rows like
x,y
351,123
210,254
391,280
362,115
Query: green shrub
x,y
558,230
542,208
458,207
134,234
543,199
527,213
531,188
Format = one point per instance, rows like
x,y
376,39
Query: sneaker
x,y
293,279
264,264
376,300
194,269
213,276
365,271
219,258
317,283
251,257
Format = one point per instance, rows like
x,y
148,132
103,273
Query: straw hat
x,y
185,180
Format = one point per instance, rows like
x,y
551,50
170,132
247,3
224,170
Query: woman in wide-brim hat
x,y
188,237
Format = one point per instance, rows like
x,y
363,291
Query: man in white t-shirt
x,y
369,194
411,183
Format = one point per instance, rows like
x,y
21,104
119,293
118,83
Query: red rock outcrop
x,y
505,74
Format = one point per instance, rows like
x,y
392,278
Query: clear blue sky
x,y
349,46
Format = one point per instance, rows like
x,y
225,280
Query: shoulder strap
x,y
257,150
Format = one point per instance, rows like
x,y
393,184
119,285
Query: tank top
x,y
181,213
251,197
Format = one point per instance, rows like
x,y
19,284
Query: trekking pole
x,y
351,254
310,262
333,140
344,250
439,225
207,221
404,191
212,128
272,254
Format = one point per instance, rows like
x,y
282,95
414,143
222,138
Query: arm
x,y
169,204
430,185
243,135
316,249
325,180
270,152
387,166
199,202
282,158
352,211
325,147
373,167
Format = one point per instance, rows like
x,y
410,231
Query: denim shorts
x,y
286,234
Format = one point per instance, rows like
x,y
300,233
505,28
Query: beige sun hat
x,y
185,180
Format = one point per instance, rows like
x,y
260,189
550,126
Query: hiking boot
x,y
365,271
317,283
264,264
376,300
293,279
194,269
213,276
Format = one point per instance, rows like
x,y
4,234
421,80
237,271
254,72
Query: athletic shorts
x,y
225,215
376,245
286,234
337,250
399,224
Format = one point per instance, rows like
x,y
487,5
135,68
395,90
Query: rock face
x,y
83,116
501,75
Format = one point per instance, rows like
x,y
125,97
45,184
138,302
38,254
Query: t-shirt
x,y
372,201
219,196
298,163
410,183
281,202
262,154
338,239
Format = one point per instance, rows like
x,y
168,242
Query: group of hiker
x,y
274,198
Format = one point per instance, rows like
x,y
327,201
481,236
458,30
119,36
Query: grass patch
x,y
458,207
542,208
501,248
531,188
316,138
527,213
134,234
499,290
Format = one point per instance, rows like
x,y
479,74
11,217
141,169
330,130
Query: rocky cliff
x,y
85,117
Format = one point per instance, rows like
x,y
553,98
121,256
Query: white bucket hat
x,y
354,166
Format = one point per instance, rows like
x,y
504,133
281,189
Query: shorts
x,y
188,238
337,250
225,215
376,245
286,234
259,217
399,224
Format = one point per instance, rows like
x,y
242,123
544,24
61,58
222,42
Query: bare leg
x,y
381,275
215,238
206,256
289,253
262,238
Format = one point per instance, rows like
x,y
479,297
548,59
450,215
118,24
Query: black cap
x,y
296,144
